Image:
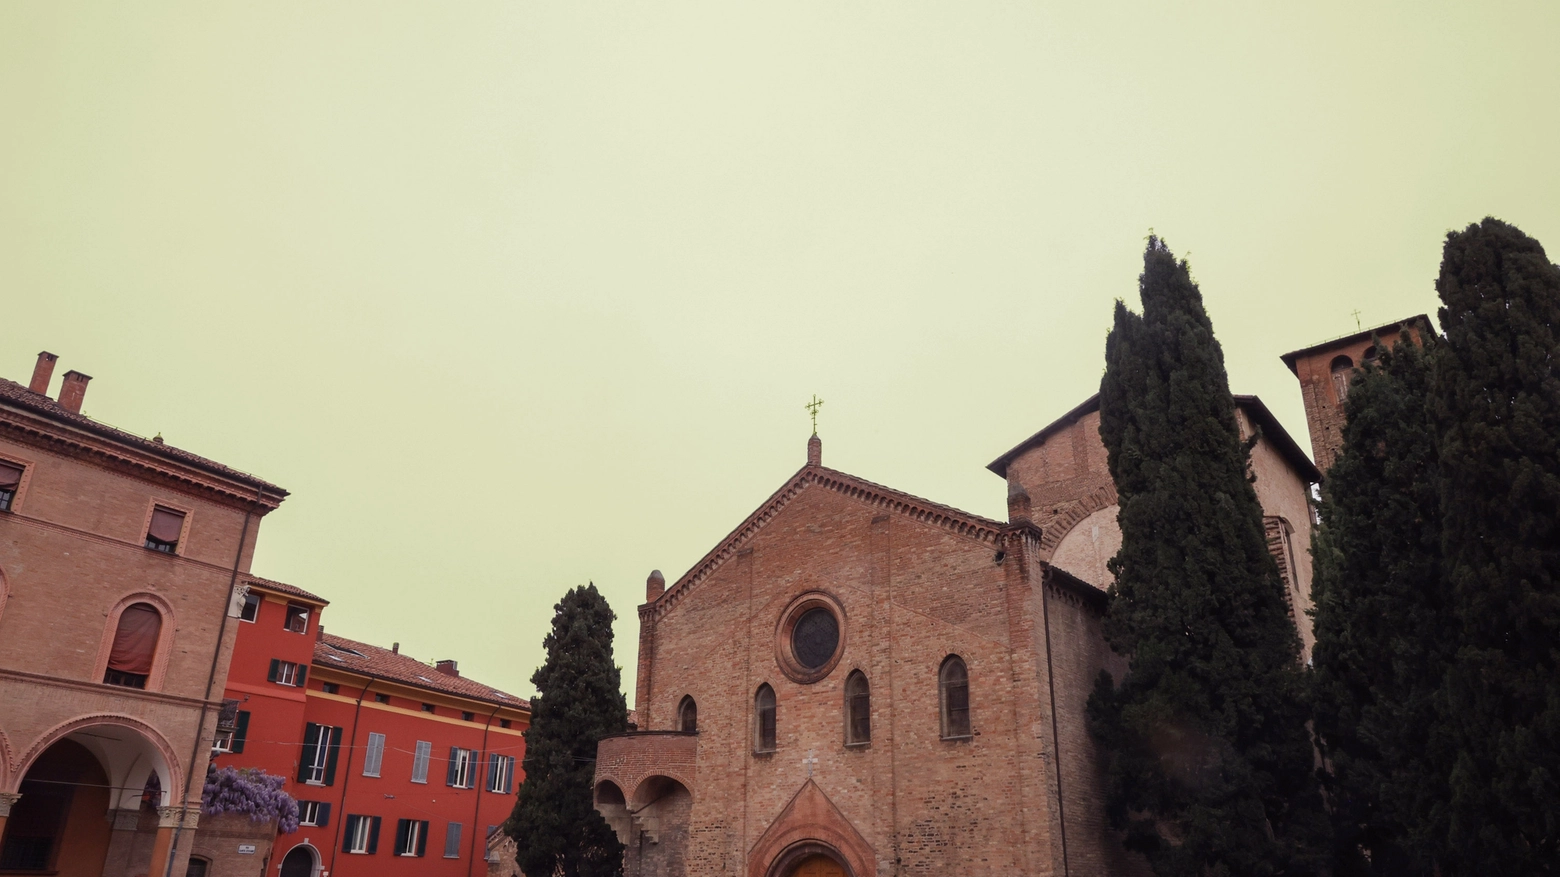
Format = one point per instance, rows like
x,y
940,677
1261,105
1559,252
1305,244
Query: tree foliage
x,y
1496,398
579,701
250,791
1384,637
1209,764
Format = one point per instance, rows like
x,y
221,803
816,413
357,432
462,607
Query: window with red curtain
x,y
10,480
163,534
135,645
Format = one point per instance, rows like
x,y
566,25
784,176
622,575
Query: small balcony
x,y
644,778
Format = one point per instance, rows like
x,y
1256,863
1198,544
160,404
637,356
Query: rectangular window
x,y
321,746
330,688
381,698
376,755
501,774
251,609
361,836
165,529
427,707
462,772
10,481
287,673
492,855
467,717
503,723
452,841
411,837
297,618
314,813
420,761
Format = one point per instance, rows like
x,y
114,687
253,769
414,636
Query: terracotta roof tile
x,y
284,588
16,394
356,657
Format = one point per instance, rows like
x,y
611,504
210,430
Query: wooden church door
x,y
818,866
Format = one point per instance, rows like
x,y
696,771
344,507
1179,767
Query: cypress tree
x,y
1384,635
1496,398
1209,763
579,700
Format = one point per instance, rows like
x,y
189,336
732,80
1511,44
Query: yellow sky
x,y
513,296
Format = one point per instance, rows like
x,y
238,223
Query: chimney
x,y
395,648
72,389
447,667
319,633
815,451
42,373
655,586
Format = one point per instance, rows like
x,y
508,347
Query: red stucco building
x,y
400,767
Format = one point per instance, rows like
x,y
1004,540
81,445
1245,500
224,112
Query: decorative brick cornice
x,y
961,523
119,457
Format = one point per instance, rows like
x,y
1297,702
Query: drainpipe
x,y
341,818
211,680
1056,740
476,811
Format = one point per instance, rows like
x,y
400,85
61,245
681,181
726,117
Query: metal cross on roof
x,y
812,408
809,761
1356,319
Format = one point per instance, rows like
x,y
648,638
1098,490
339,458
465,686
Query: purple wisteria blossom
x,y
251,791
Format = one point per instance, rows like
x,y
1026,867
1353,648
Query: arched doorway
x,y
57,825
299,862
818,866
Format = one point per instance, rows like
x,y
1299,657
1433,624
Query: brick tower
x,y
1324,371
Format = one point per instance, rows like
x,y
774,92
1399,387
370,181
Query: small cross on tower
x,y
1356,313
809,761
812,408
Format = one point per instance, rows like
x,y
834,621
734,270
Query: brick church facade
x,y
861,682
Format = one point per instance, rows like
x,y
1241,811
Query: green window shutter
x,y
303,674
346,836
452,841
311,743
323,819
330,758
373,834
453,772
240,731
270,675
403,827
422,837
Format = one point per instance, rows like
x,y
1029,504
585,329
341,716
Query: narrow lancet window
x,y
858,709
954,688
764,719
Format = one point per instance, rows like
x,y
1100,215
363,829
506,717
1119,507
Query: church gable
x,y
872,497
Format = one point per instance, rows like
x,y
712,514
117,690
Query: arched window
x,y
953,683
764,719
1342,369
688,715
135,646
858,709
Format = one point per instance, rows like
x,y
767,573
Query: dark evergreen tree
x,y
579,701
1497,404
1384,635
1209,763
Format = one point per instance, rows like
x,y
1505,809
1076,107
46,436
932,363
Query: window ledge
x,y
765,752
958,739
864,744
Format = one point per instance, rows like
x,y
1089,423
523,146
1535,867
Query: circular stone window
x,y
810,638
